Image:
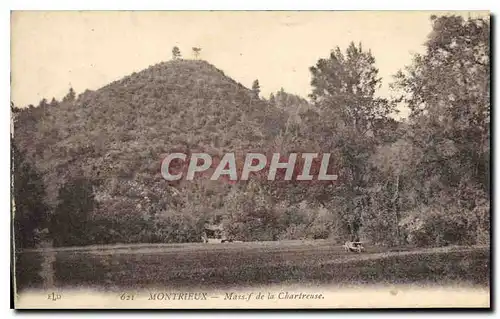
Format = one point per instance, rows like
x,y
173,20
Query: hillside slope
x,y
119,133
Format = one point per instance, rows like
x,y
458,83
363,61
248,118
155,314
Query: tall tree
x,y
345,84
70,97
176,53
256,88
69,224
344,87
196,52
447,91
53,102
43,103
13,108
28,190
272,99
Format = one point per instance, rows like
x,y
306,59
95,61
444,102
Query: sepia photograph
x,y
250,159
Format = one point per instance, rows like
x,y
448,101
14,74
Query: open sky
x,y
51,51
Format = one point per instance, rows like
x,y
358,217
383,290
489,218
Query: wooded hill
x,y
87,168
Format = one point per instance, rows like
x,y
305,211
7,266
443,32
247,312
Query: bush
x,y
437,226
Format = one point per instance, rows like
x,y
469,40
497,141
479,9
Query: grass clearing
x,y
248,264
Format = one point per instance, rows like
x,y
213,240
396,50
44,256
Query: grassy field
x,y
248,264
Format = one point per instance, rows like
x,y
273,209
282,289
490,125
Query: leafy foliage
x,y
423,181
256,88
69,224
30,210
176,53
446,163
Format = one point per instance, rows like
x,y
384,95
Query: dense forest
x,y
86,169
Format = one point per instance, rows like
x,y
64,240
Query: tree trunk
x,y
395,205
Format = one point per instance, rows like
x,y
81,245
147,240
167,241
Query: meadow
x,y
217,266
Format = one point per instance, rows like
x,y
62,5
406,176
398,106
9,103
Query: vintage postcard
x,y
250,159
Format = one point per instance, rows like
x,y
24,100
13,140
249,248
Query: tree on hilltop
x,y
28,191
196,52
256,88
70,97
176,53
